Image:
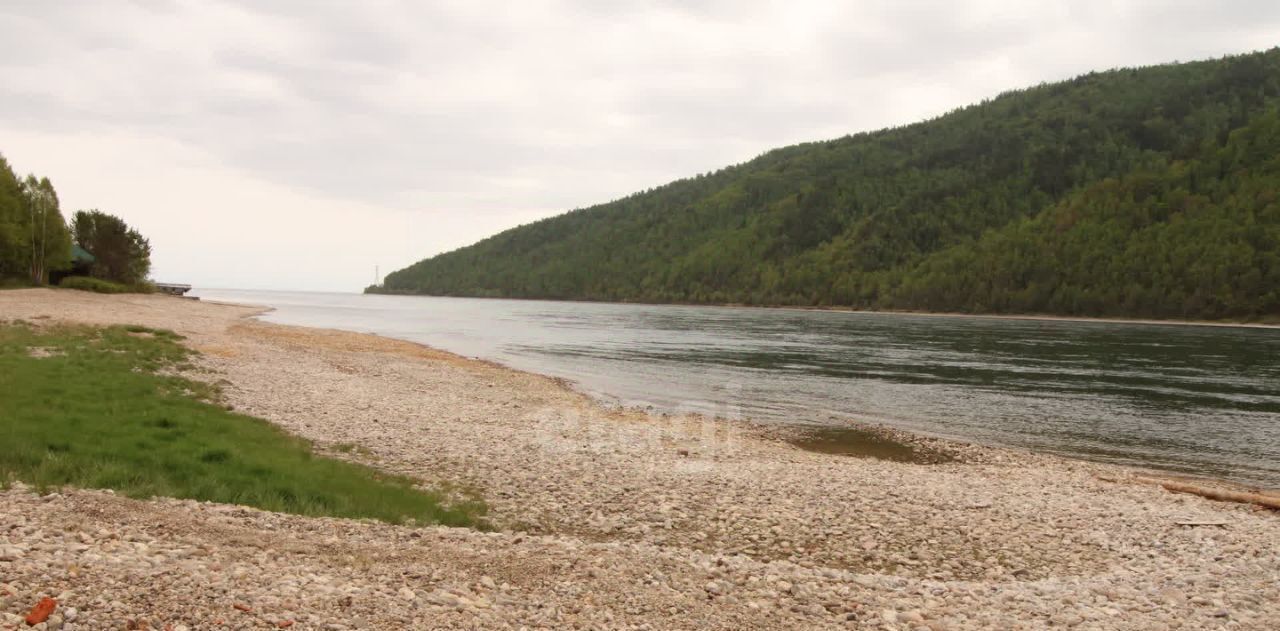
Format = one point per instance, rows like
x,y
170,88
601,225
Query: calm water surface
x,y
1199,400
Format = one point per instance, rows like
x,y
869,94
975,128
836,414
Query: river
x,y
1189,399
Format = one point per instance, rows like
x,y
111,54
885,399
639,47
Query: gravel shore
x,y
609,519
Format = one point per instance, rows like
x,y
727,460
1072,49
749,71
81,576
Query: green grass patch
x,y
100,408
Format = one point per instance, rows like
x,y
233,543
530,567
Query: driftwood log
x,y
1222,495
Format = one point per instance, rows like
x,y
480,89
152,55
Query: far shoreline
x,y
1038,317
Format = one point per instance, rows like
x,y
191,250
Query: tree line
x,y
1133,192
38,245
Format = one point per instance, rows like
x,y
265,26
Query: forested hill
x,y
1151,192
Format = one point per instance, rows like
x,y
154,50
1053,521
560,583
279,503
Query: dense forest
x,y
1149,192
36,240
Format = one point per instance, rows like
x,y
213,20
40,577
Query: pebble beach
x,y
609,519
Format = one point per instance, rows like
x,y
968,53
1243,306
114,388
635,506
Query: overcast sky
x,y
301,145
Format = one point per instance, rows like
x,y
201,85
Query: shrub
x,y
85,283
88,283
15,283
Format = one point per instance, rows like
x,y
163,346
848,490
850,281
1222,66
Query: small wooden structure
x,y
81,265
173,289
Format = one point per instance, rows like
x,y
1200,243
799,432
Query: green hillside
x,y
1141,192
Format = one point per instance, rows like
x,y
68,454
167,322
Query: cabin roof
x,y
81,255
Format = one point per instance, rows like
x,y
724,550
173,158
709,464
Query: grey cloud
x,y
425,104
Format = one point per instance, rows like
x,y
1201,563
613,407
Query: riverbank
x,y
1272,323
611,518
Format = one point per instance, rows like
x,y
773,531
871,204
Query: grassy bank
x,y
97,408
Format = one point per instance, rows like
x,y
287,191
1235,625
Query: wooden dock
x,y
173,289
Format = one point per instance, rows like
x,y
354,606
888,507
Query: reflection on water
x,y
1201,400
